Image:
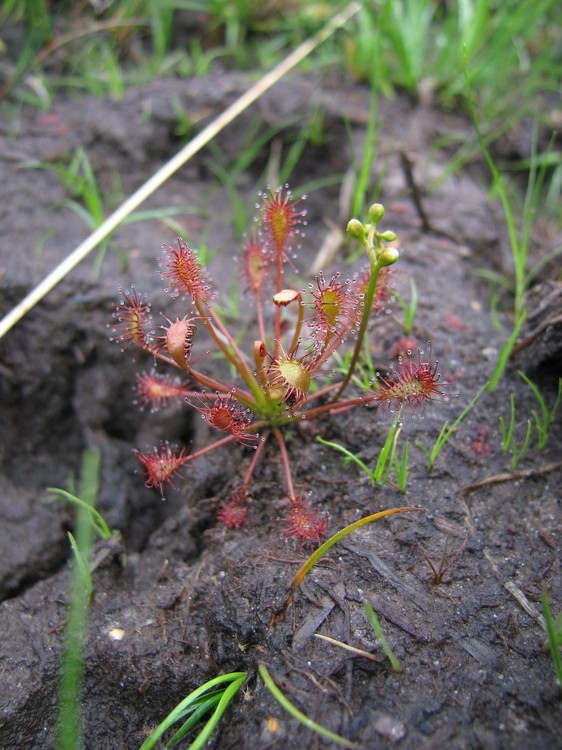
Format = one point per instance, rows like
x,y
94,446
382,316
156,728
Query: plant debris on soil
x,y
195,599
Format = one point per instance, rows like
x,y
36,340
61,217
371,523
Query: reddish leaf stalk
x,y
237,361
255,459
286,466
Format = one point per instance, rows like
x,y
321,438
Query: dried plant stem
x,y
347,647
511,476
170,167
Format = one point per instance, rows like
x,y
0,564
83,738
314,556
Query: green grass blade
x,y
82,565
192,700
447,431
362,179
518,453
198,711
81,211
507,432
552,637
505,352
227,696
68,730
307,566
69,733
377,628
543,425
303,718
96,518
401,467
380,474
518,250
349,456
90,478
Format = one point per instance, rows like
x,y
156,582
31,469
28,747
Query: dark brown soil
x,y
195,599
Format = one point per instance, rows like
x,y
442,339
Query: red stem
x,y
254,461
286,467
242,396
311,413
212,447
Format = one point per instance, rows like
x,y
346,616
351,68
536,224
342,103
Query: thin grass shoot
x,y
381,638
554,636
195,705
299,715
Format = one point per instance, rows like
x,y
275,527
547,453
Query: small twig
x,y
415,192
511,476
523,602
530,337
347,647
408,169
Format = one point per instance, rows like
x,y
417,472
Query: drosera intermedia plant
x,y
279,381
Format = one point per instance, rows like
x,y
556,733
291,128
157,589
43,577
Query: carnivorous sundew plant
x,y
285,375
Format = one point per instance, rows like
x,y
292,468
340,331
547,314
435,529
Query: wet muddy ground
x,y
195,599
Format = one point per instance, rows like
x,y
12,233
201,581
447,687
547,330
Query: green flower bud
x,y
356,230
389,256
376,212
388,236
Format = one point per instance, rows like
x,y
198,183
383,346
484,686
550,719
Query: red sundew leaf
x,y
162,464
280,218
134,320
305,523
184,272
155,390
410,383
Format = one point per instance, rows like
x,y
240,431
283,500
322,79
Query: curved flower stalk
x,y
278,376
